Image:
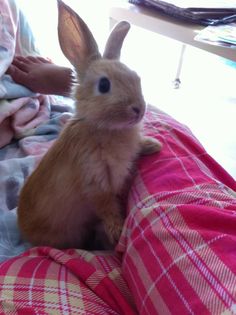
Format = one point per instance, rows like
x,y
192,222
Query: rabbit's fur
x,y
71,199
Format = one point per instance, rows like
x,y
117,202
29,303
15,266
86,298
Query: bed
x,y
177,252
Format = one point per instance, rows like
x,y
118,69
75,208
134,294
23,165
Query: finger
x,y
31,59
38,59
26,60
49,60
44,60
18,75
20,58
34,59
21,64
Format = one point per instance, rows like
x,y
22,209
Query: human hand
x,y
41,75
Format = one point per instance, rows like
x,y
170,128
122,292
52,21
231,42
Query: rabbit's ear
x,y
115,40
76,40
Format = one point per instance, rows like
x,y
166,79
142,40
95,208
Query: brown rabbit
x,y
73,193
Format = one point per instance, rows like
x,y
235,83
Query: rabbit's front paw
x,y
149,146
114,228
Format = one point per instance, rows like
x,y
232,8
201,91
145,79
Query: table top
x,y
166,26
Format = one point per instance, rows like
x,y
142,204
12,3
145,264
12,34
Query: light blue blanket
x,y
19,157
17,161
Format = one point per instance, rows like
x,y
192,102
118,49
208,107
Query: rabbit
x,y
71,200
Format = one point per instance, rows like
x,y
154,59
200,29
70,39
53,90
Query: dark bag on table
x,y
201,15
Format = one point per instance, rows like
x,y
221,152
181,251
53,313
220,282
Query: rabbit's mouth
x,y
121,115
136,113
127,120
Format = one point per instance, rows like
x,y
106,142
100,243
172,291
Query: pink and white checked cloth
x,y
49,281
179,242
176,255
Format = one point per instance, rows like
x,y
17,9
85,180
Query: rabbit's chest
x,y
109,170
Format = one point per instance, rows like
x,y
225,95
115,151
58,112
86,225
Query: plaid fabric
x,y
179,241
49,281
176,253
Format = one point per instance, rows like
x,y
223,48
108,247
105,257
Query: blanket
x,y
29,123
176,254
17,160
178,244
21,110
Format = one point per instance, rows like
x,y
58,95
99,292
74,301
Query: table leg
x,y
177,80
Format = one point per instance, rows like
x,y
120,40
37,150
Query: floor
x,y
206,99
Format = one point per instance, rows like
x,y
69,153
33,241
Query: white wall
x,y
42,17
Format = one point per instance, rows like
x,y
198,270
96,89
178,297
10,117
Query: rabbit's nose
x,y
136,110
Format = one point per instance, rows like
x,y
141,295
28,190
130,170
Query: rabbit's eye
x,y
104,85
